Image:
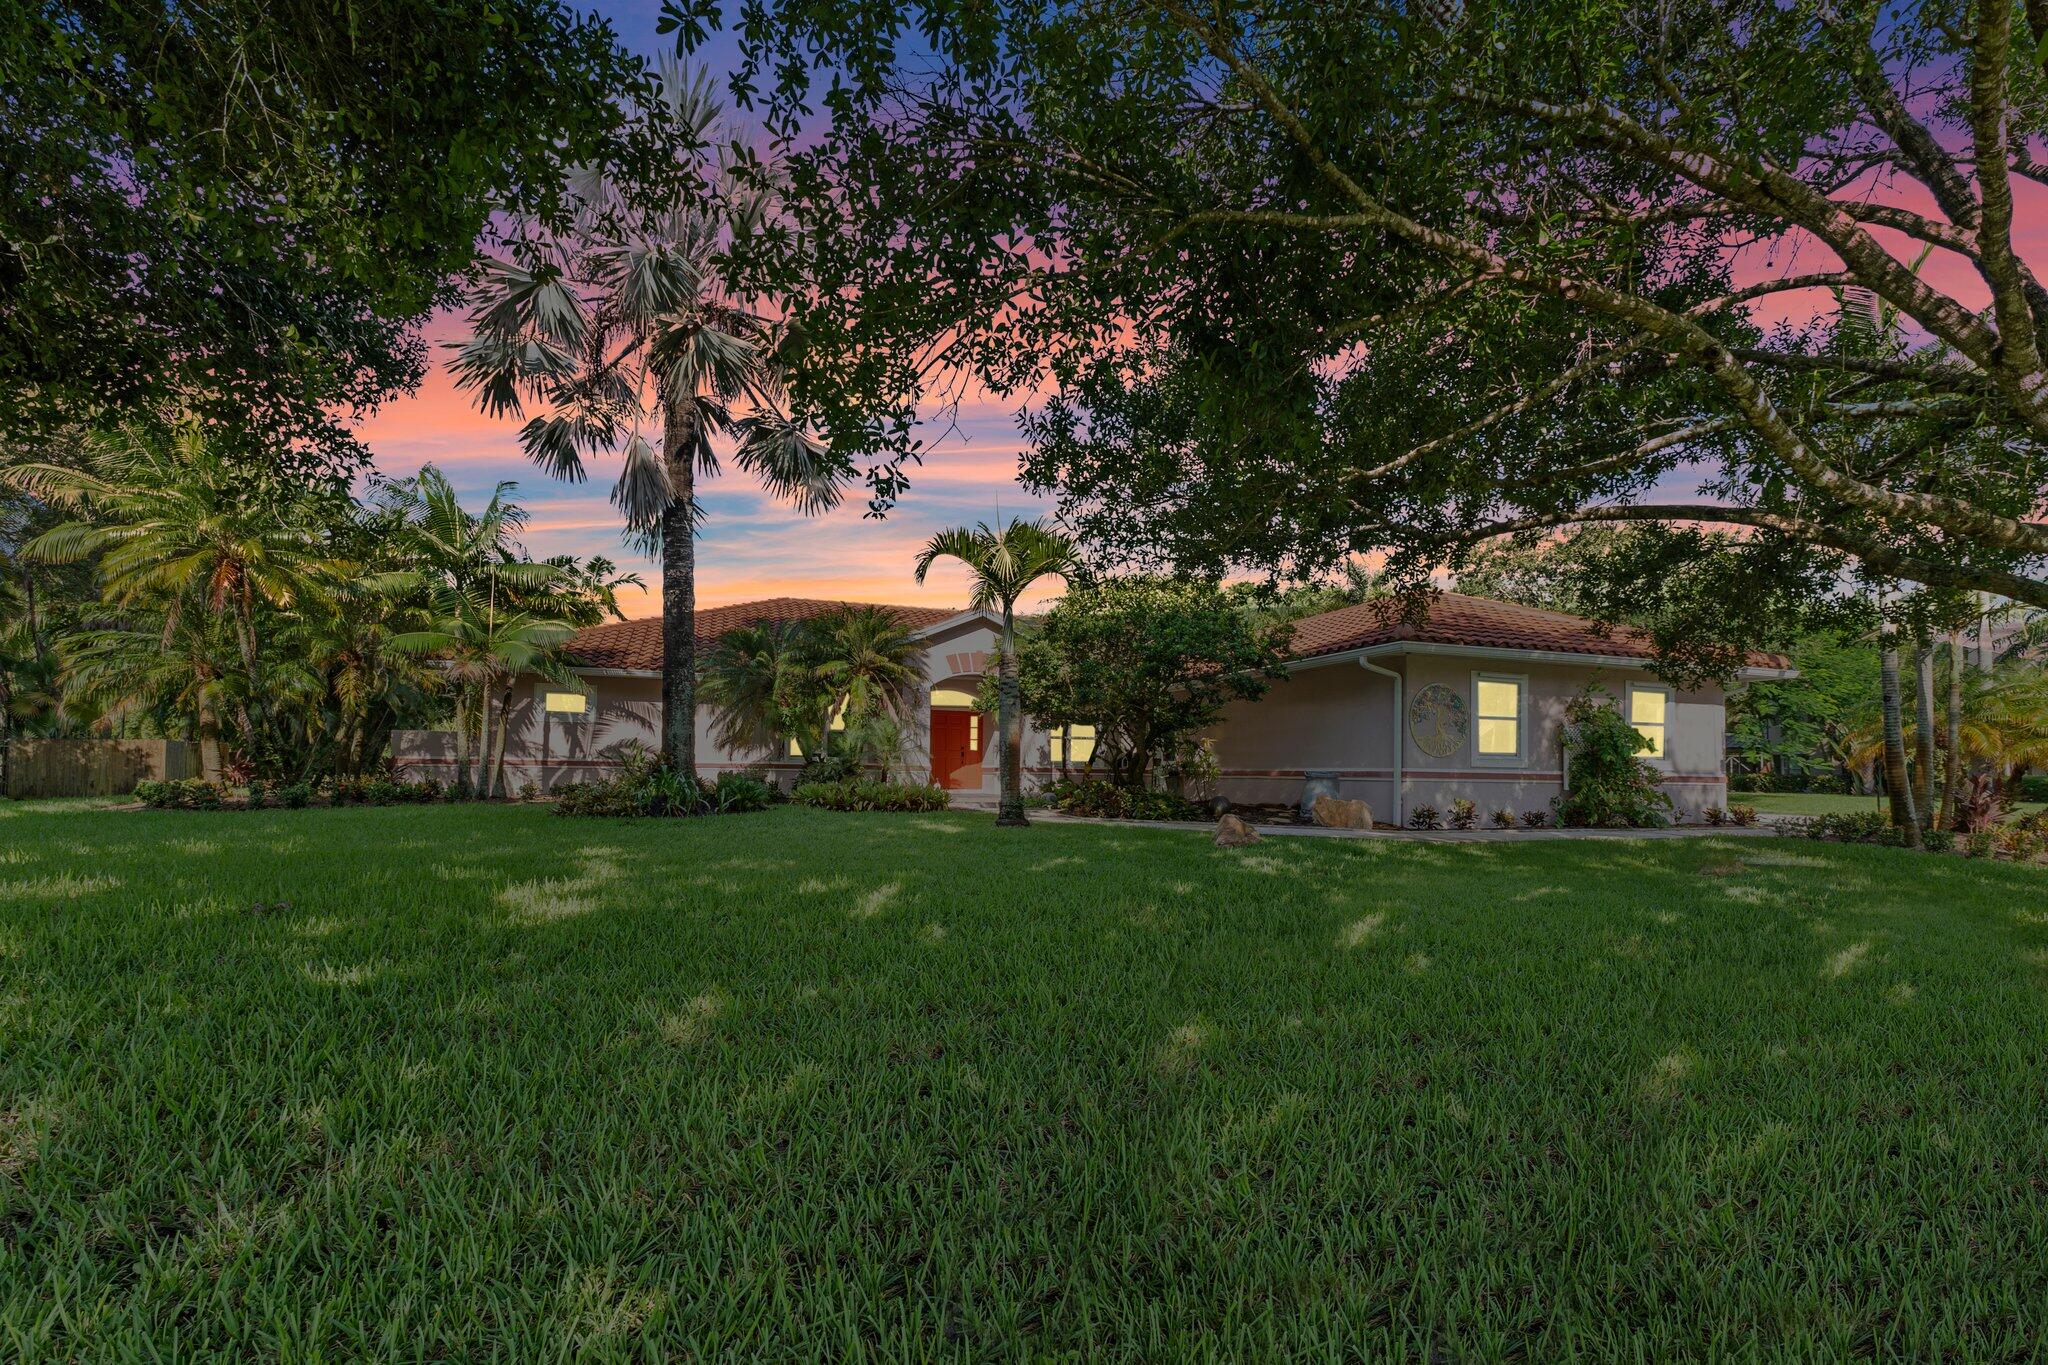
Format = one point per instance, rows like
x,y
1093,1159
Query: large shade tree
x,y
620,332
1308,280
241,208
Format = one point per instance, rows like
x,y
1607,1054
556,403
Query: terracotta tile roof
x,y
636,645
1475,622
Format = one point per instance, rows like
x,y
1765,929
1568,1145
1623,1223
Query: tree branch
x,y
1880,558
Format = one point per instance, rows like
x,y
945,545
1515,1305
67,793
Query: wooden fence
x,y
93,767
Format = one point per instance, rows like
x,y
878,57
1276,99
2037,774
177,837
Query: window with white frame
x,y
1500,718
1649,710
1073,744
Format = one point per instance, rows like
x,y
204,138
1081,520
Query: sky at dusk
x,y
753,546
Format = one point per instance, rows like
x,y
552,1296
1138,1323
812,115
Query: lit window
x,y
796,750
567,703
1649,710
1497,704
974,729
1073,744
953,699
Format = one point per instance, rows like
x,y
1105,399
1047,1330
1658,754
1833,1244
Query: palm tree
x,y
1004,561
485,649
868,663
469,568
759,683
621,326
175,526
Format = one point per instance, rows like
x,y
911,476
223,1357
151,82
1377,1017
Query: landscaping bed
x,y
464,1082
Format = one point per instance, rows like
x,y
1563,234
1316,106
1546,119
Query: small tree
x,y
1005,562
1147,661
1608,786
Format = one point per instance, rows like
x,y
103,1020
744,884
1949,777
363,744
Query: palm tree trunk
x,y
679,592
1923,731
1895,780
1010,721
498,751
1952,766
209,744
462,789
483,740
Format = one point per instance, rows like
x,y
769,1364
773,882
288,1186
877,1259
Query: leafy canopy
x,y
1147,661
1304,281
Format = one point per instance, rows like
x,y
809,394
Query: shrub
x,y
154,794
295,796
1610,787
2034,787
1425,817
193,793
259,794
1464,814
829,768
1977,843
427,789
1714,816
349,791
1503,818
1107,801
2018,842
737,792
870,796
606,797
1744,816
1939,840
382,791
645,786
1535,819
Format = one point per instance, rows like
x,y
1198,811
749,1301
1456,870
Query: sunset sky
x,y
752,546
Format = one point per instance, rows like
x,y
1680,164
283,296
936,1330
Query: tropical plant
x,y
1003,563
172,525
618,327
758,682
1608,786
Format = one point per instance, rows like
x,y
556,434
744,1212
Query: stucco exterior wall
x,y
549,751
1339,717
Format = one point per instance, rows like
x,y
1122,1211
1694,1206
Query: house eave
x,y
1541,656
961,619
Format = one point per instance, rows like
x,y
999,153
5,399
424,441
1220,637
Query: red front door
x,y
956,749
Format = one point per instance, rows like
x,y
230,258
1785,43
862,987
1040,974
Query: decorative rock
x,y
1334,812
1231,832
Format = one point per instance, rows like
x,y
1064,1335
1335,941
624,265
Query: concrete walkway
x,y
1429,836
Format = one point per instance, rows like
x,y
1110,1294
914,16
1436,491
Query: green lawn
x,y
1812,803
456,1083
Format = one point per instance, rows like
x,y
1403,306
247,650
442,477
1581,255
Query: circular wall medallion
x,y
1437,720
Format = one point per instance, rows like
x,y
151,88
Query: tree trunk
x,y
483,741
462,788
1923,731
679,592
209,744
1895,781
1952,765
1010,721
498,788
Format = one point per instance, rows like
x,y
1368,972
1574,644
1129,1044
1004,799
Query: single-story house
x,y
1468,702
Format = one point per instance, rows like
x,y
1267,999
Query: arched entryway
x,y
957,735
